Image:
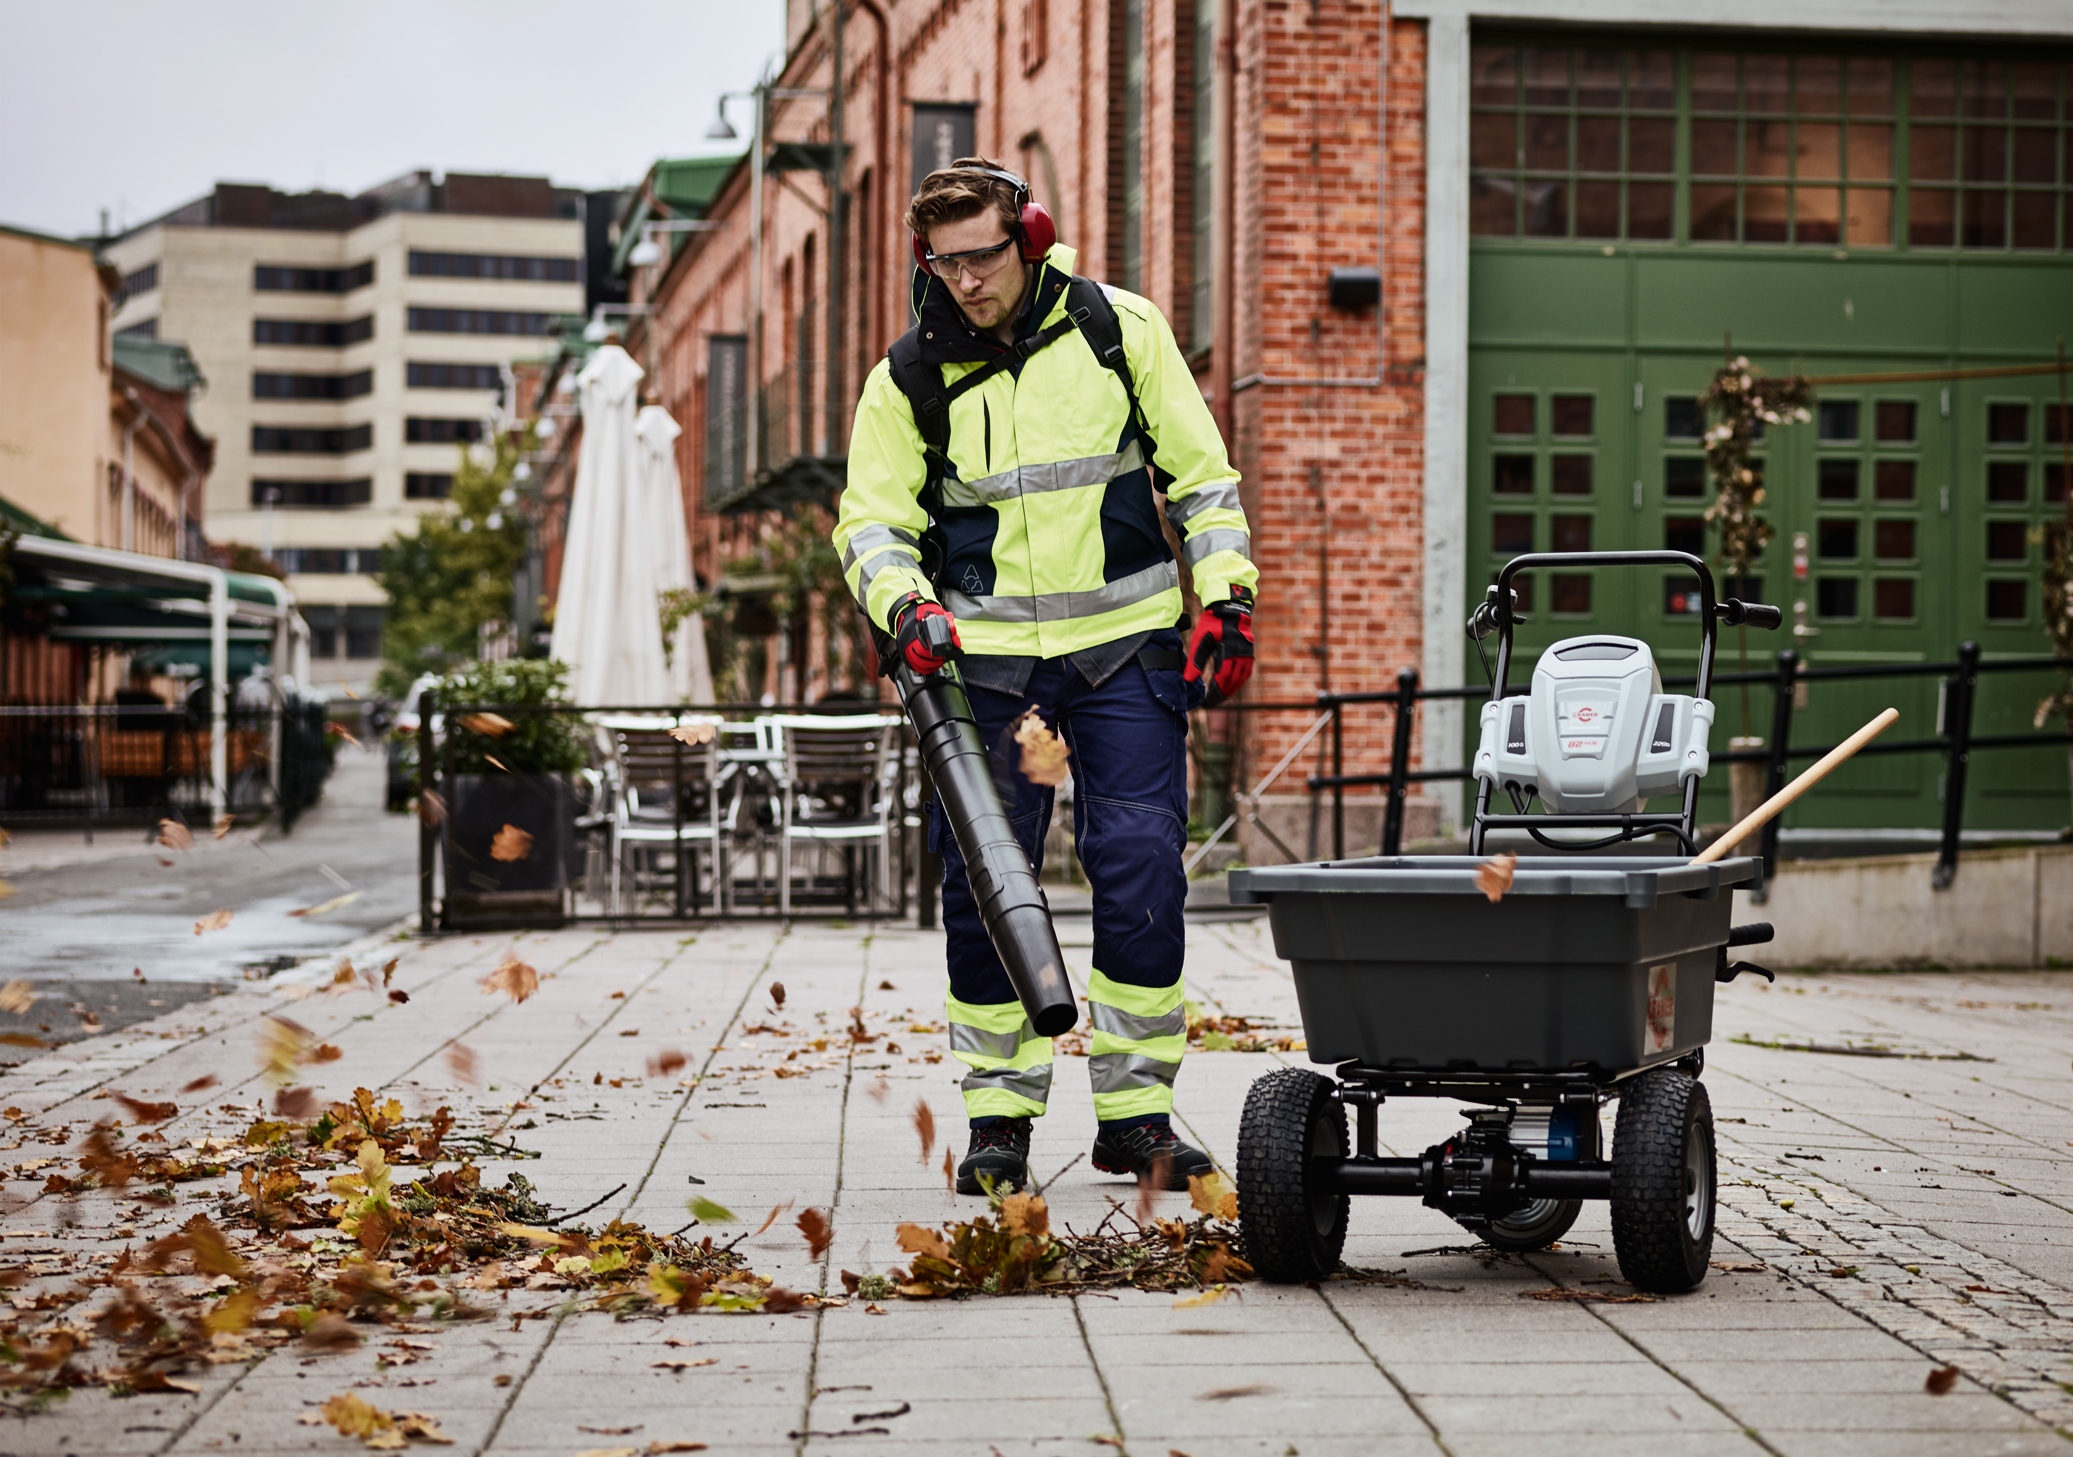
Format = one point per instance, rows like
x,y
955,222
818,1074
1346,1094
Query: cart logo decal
x,y
1662,1009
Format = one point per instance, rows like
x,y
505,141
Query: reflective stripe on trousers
x,y
1010,1065
1140,1036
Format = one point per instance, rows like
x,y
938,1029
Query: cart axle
x,y
1418,1177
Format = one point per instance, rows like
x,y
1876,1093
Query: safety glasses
x,y
976,262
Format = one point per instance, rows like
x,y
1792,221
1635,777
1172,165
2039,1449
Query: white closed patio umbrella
x,y
607,623
660,508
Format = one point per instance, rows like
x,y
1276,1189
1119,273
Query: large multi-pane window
x,y
1770,148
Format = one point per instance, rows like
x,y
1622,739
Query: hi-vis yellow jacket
x,y
1043,535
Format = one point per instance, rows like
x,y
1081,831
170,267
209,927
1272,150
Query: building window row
x,y
269,385
136,281
495,265
296,278
1770,148
329,560
344,632
479,321
142,329
418,430
422,485
313,333
317,495
423,376
311,440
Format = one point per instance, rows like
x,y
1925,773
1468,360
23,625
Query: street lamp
x,y
648,251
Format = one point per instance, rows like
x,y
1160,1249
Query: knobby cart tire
x,y
1292,1226
1663,1181
1535,1227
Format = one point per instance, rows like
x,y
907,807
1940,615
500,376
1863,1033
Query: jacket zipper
x,y
986,411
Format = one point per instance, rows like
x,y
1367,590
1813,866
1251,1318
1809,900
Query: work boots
x,y
1150,1151
1000,1154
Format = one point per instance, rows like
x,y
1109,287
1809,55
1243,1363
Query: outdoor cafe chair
x,y
837,779
666,793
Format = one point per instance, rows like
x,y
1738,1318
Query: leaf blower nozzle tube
x,y
1011,903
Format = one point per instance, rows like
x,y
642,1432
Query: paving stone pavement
x,y
1899,1202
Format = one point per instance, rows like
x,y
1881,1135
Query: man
x,y
1004,472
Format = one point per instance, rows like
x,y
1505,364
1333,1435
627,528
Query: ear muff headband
x,y
1035,230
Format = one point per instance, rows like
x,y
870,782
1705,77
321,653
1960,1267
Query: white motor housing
x,y
1596,734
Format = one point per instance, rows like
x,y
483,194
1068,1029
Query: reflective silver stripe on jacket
x,y
1119,1072
981,1043
1119,1023
1033,1083
1205,543
1056,475
1223,495
1062,606
873,541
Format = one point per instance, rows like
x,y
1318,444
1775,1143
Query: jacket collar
x,y
946,337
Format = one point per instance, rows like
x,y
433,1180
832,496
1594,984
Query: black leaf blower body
x,y
1011,903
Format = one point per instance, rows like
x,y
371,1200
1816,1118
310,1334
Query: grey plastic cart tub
x,y
1596,964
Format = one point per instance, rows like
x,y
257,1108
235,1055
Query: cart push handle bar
x,y
1771,808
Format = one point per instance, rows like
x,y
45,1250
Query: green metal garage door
x,y
1636,206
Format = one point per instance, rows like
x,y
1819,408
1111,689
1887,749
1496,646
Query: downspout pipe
x,y
880,122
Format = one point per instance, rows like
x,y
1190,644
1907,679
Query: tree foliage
x,y
451,577
1741,401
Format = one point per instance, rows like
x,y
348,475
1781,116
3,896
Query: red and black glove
x,y
1221,648
910,620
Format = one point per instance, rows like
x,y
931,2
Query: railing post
x,y
427,841
1338,789
1781,743
1399,761
1957,728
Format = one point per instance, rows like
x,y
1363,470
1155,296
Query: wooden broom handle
x,y
1811,776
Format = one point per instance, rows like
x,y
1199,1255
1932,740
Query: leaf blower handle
x,y
938,635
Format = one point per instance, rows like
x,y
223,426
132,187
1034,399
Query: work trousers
x,y
1127,739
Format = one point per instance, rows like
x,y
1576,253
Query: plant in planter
x,y
1741,403
511,800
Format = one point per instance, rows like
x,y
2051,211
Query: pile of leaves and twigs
x,y
1206,1033
1013,1249
335,1223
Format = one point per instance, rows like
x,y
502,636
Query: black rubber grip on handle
x,y
939,638
1751,614
1011,903
1752,933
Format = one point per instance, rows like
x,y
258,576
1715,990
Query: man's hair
x,y
952,194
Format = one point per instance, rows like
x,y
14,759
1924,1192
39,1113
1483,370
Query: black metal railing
x,y
1954,738
580,815
110,764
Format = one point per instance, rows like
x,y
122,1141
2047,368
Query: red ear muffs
x,y
1038,233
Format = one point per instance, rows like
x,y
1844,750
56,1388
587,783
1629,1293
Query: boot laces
x,y
999,1135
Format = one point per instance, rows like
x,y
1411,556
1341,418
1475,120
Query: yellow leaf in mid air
x,y
213,921
510,844
1043,752
338,902
174,835
17,997
1207,1192
1494,876
514,978
693,734
493,725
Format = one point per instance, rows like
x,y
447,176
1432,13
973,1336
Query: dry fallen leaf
x,y
1043,751
1940,1381
684,1365
693,734
224,825
1232,1393
389,970
145,1112
174,835
398,995
1026,1215
21,1039
1149,1183
919,1239
514,978
337,902
771,1218
493,725
657,1449
1207,1192
1494,876
949,1169
330,1334
462,1063
430,807
1207,1297
666,1063
326,1052
818,1231
296,1104
17,997
201,1084
213,921
777,995
925,1125
510,844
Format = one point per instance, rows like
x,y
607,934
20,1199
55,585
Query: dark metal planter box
x,y
1602,964
485,893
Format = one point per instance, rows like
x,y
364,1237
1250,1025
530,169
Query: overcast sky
x,y
139,105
